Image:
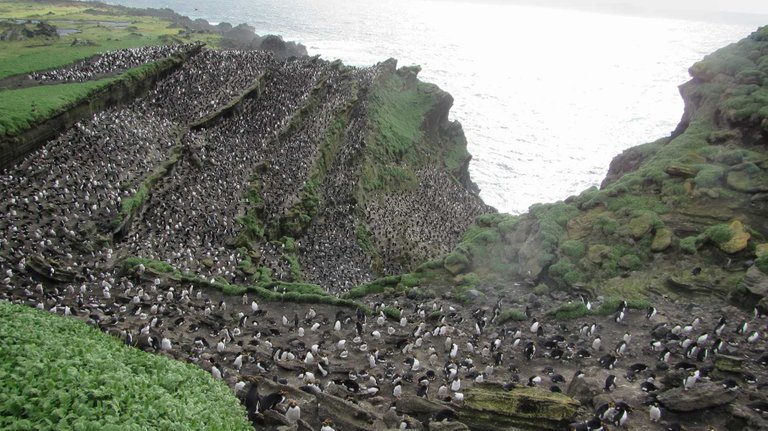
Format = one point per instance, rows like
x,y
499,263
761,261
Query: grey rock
x,y
703,395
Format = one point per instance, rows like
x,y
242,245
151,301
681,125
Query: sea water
x,y
547,97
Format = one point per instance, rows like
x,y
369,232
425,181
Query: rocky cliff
x,y
683,216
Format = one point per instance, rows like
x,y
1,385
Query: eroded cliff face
x,y
684,216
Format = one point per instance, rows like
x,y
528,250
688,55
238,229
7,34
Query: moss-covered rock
x,y
739,238
642,224
662,240
456,263
748,180
490,407
598,252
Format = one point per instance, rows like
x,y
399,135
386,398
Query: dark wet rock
x,y
745,418
418,406
447,426
490,407
345,414
703,395
271,417
582,391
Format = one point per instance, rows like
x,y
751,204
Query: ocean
x,y
547,97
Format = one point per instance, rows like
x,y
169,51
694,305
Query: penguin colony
x,y
62,197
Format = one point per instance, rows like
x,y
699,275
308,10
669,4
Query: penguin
x,y
606,410
530,350
648,387
596,343
720,326
421,391
621,417
621,347
753,337
456,384
650,312
534,381
664,355
252,402
272,400
535,326
607,361
610,383
327,425
654,412
690,380
293,413
730,385
397,391
743,328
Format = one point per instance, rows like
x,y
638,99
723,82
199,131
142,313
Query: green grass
x,y
21,108
132,263
17,57
576,309
58,373
268,290
511,316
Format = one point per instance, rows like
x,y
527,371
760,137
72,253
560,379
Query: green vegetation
x,y
59,373
575,310
132,263
263,286
21,108
762,264
100,24
391,313
507,316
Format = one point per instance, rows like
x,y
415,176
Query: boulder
x,y
582,391
747,180
490,407
744,418
682,171
456,263
661,240
345,414
739,238
703,395
755,281
639,226
418,406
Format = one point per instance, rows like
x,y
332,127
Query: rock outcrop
x,y
490,407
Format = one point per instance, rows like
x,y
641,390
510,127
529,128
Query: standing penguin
x,y
293,413
654,412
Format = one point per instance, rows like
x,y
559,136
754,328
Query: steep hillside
x,y
684,216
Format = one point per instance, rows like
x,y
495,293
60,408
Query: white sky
x,y
681,8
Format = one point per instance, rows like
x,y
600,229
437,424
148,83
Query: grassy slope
x,y
36,54
44,357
